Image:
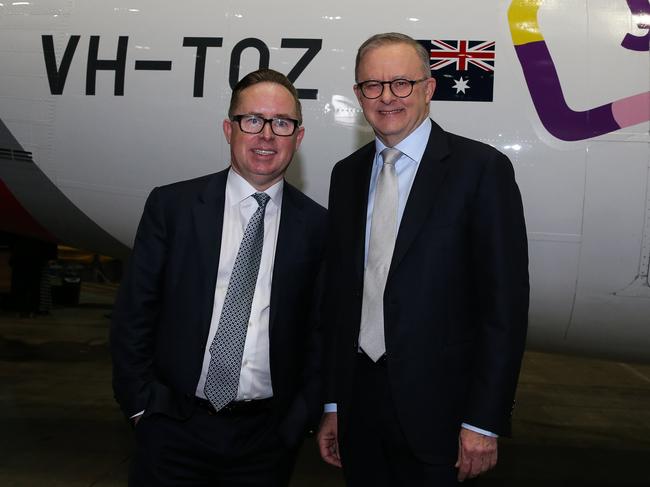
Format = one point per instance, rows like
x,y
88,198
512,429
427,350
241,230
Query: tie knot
x,y
262,199
391,155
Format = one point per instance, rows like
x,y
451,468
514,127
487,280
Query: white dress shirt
x,y
255,377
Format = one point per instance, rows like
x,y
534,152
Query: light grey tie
x,y
227,347
383,231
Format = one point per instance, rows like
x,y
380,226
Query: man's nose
x,y
267,131
387,95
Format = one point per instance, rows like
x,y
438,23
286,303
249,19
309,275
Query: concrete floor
x,y
578,422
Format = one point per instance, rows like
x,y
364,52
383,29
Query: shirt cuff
x,y
479,430
330,407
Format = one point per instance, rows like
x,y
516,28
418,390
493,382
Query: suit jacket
x,y
163,311
456,297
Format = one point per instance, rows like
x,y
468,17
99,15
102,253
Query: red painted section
x,y
15,219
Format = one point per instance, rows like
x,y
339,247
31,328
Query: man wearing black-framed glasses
x,y
215,347
427,288
254,124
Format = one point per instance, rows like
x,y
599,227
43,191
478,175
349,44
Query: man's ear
x,y
227,129
430,87
358,94
299,136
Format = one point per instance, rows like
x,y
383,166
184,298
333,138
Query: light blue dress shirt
x,y
412,148
406,167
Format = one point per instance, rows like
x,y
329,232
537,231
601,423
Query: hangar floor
x,y
578,422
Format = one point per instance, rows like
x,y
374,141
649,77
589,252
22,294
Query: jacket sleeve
x,y
137,309
500,257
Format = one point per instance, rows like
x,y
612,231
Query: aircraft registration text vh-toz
x,y
100,101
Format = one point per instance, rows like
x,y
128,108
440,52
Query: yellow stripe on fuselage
x,y
522,17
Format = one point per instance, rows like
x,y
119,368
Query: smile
x,y
263,152
391,112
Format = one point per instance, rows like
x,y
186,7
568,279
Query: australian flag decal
x,y
464,70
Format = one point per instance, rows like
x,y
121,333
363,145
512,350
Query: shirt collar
x,y
414,145
239,189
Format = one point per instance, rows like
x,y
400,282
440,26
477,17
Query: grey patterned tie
x,y
227,347
383,231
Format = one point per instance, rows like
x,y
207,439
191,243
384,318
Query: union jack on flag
x,y
462,53
463,69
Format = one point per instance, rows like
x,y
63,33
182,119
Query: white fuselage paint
x,y
587,202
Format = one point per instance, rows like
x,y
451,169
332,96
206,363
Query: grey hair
x,y
388,38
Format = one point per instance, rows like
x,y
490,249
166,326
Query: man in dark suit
x,y
426,290
215,347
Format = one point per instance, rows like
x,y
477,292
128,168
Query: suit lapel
x,y
208,224
359,206
428,179
287,249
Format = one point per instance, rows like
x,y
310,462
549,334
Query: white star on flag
x,y
461,85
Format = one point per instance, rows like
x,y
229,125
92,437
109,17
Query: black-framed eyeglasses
x,y
254,124
401,88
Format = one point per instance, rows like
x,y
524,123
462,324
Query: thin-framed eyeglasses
x,y
254,124
400,87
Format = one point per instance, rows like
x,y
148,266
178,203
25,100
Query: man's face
x,y
263,158
393,118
